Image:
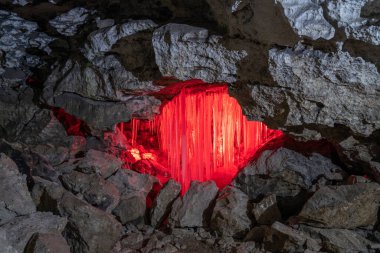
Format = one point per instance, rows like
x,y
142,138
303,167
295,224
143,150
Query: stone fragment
x,y
194,209
306,18
163,202
266,211
15,199
287,239
131,208
19,230
344,206
94,189
188,52
128,181
348,15
68,23
47,243
229,217
89,229
100,163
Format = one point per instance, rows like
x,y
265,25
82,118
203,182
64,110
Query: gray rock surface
x,y
15,199
266,211
131,208
99,163
104,92
94,189
17,35
340,240
68,23
345,206
163,202
285,238
130,182
318,83
230,214
19,230
285,173
89,229
348,15
188,52
5,244
47,243
193,210
306,18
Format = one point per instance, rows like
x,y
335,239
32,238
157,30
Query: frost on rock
x,y
325,89
16,35
347,14
306,18
188,52
22,2
68,23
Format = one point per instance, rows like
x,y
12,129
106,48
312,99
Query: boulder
x,y
89,229
47,243
15,199
131,208
267,211
230,214
100,163
94,189
19,230
194,209
5,245
287,174
185,52
286,239
344,206
128,181
163,202
68,23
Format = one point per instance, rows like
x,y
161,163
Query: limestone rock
x,y
317,79
17,35
68,23
5,245
188,52
131,208
285,238
306,18
94,189
345,206
287,174
19,230
130,182
15,199
89,229
229,217
100,163
163,202
348,15
47,243
194,209
266,211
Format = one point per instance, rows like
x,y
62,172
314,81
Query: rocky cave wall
x,y
309,68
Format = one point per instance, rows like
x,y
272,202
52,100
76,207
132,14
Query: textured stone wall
x,y
307,67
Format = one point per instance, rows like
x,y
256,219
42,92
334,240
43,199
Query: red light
x,y
201,134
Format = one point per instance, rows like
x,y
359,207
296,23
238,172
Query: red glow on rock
x,y
72,124
201,134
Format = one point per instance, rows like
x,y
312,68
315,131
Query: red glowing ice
x,y
202,135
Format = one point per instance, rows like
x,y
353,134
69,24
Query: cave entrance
x,y
200,134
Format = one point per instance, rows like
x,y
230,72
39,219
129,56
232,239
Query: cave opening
x,y
200,134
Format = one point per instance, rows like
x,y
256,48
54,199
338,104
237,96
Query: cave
x,y
200,126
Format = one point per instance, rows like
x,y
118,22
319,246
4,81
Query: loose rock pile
x,y
281,202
